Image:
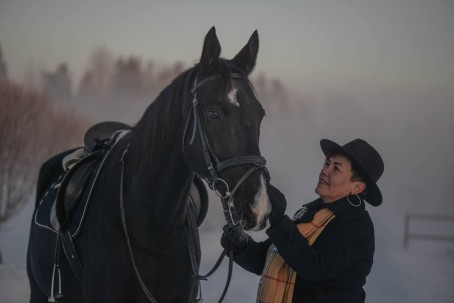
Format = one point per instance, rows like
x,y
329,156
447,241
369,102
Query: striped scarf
x,y
278,279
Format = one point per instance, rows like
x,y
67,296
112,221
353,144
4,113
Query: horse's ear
x,y
245,59
211,51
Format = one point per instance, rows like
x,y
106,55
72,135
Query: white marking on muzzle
x,y
262,205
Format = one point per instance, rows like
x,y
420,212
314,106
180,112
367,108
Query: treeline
x,y
110,79
132,79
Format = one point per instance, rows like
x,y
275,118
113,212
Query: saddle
x,y
97,135
63,203
81,165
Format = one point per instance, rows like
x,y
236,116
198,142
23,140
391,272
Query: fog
x,y
412,130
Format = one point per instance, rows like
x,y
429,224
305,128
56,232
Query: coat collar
x,y
342,206
339,207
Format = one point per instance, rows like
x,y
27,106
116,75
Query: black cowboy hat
x,y
365,159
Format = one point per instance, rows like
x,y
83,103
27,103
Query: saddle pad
x,y
45,215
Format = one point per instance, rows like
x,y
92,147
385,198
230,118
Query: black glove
x,y
234,238
278,202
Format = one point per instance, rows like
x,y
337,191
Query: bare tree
x,y
31,128
58,83
127,80
95,83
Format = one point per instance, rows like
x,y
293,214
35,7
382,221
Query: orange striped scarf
x,y
278,279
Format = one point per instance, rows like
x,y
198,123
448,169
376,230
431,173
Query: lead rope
x,y
125,230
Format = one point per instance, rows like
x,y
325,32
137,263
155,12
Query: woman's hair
x,y
356,176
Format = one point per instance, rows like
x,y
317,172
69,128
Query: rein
x,y
125,230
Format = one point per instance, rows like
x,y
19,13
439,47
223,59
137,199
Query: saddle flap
x,y
72,186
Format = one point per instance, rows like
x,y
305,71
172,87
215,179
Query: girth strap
x,y
72,256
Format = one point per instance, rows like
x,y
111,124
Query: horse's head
x,y
221,141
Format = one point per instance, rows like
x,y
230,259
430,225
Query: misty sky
x,y
307,44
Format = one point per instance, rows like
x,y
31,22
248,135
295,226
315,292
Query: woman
x,y
326,252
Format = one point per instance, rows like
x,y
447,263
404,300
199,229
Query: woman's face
x,y
334,181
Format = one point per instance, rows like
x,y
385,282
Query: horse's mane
x,y
159,124
157,127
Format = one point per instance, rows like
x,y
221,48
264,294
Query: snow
x,y
423,272
14,287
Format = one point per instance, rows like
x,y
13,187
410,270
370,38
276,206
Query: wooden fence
x,y
431,236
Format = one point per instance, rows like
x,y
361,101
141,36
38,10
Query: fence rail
x,y
409,235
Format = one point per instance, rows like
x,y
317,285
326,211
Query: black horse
x,y
133,245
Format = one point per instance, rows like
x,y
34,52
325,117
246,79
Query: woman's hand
x,y
234,238
278,202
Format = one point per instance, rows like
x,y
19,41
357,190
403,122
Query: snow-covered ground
x,y
421,273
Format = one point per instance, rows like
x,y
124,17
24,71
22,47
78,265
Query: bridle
x,y
214,165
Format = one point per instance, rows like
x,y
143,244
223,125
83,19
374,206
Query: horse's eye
x,y
213,113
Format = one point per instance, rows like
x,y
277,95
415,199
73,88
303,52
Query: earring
x,y
355,205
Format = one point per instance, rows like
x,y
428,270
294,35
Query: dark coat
x,y
334,269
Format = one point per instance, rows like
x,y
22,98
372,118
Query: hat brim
x,y
373,196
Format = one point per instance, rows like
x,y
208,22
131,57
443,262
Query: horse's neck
x,y
159,190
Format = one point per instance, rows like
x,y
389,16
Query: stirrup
x,y
56,298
